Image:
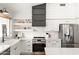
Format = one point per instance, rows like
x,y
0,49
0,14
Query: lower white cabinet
x,y
26,46
53,43
15,49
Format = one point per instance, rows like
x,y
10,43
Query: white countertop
x,y
7,44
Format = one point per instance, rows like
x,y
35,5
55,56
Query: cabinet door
x,y
15,49
73,21
53,43
26,46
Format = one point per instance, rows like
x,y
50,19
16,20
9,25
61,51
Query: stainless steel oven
x,y
39,43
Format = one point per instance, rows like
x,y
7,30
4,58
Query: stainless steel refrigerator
x,y
69,35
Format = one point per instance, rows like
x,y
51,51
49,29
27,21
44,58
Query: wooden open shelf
x,y
5,16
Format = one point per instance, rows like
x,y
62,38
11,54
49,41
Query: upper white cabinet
x,y
58,10
54,43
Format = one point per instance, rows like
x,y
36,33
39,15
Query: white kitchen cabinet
x,y
53,43
15,49
26,46
56,11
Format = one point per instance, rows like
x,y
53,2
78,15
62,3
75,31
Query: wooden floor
x,y
38,53
34,53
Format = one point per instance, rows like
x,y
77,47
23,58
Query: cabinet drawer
x,y
26,49
29,50
51,44
28,46
53,41
54,45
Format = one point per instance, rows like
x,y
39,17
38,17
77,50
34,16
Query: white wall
x,y
55,11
